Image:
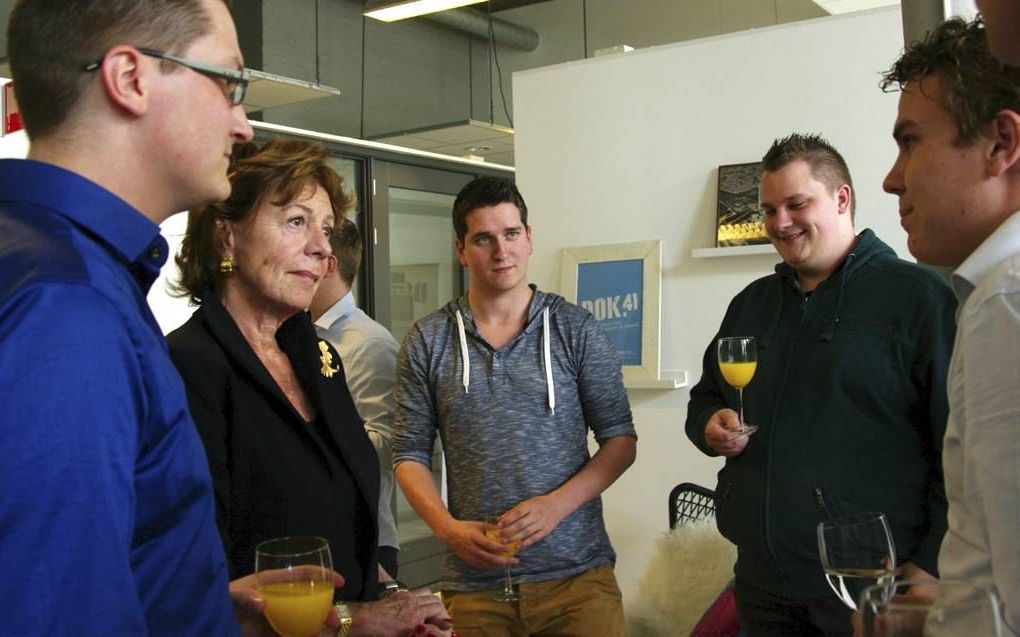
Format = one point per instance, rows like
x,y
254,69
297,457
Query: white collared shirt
x,y
981,453
369,356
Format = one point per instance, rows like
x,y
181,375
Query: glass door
x,y
423,264
415,272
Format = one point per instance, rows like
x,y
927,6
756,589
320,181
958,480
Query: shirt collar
x,y
339,311
998,246
133,237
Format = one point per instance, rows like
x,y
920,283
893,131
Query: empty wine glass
x,y
738,360
295,577
508,594
857,551
944,608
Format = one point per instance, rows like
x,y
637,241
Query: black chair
x,y
690,502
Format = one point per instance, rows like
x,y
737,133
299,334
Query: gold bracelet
x,y
390,587
346,620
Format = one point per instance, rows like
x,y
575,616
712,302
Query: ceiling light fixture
x,y
387,11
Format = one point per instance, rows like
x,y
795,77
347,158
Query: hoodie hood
x,y
542,306
866,248
539,301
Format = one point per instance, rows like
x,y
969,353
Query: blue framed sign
x,y
612,291
619,284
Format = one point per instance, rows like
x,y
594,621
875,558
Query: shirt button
x,y
154,253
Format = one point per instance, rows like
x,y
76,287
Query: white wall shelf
x,y
672,380
267,90
733,251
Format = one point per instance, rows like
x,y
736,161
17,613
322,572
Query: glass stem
x,y
507,586
740,393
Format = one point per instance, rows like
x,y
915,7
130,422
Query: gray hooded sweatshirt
x,y
514,424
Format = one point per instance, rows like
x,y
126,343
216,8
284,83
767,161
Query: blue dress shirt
x,y
107,523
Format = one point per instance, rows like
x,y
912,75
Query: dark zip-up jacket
x,y
850,398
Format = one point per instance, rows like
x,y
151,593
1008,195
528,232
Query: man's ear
x,y
1004,152
330,266
126,79
845,198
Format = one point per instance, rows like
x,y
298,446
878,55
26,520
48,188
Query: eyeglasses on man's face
x,y
234,81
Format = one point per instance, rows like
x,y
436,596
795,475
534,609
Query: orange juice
x,y
738,375
493,534
297,609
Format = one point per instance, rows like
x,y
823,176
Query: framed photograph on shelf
x,y
739,220
620,285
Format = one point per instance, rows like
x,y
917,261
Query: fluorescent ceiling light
x,y
849,6
392,11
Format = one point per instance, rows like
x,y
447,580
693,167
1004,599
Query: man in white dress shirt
x,y
369,355
957,177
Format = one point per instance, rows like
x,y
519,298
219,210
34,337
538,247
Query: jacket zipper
x,y
767,525
820,499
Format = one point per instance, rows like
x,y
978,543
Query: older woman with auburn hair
x,y
286,447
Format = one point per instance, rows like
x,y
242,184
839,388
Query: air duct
x,y
476,23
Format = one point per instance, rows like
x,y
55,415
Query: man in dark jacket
x,y
849,394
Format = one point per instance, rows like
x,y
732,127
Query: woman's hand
x,y
405,613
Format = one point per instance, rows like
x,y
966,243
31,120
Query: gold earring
x,y
227,265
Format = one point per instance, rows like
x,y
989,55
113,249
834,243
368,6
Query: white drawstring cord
x,y
546,356
548,361
466,374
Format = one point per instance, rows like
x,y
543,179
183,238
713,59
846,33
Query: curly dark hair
x,y
977,85
280,169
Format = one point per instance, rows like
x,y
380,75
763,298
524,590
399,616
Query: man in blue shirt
x,y
106,523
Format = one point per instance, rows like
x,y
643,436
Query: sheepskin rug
x,y
690,566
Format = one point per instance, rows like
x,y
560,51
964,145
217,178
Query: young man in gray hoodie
x,y
512,379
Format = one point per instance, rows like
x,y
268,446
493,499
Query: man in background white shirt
x,y
369,355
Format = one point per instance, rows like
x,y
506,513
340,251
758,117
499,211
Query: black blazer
x,y
274,474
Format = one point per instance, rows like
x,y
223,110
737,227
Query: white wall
x,y
14,145
170,311
626,148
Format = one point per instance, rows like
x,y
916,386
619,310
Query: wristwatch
x,y
389,587
346,620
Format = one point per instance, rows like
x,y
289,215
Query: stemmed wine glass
x,y
946,608
856,551
738,360
508,594
295,577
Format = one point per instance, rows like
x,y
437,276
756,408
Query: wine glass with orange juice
x,y
508,594
738,360
295,577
